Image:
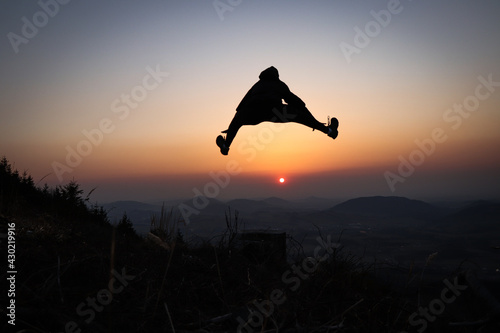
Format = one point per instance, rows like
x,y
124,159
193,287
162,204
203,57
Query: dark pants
x,y
279,114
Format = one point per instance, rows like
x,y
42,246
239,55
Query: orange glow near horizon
x,y
294,150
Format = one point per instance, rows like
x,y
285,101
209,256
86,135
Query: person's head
x,y
269,74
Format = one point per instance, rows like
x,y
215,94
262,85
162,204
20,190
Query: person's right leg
x,y
233,128
242,117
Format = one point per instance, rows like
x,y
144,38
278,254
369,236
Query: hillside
x,y
393,207
477,217
75,270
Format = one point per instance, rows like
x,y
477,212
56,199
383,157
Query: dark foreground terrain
x,y
73,271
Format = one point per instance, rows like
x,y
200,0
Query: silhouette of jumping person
x,y
263,102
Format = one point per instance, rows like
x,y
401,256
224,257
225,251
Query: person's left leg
x,y
299,115
303,116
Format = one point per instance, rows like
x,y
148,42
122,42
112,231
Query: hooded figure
x,y
268,93
263,102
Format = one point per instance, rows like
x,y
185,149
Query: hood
x,y
270,74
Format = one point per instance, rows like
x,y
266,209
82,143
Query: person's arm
x,y
290,98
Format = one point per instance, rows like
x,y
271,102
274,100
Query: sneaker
x,y
221,143
333,125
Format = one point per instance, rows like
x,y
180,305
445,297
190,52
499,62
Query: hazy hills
x,y
389,207
279,213
393,230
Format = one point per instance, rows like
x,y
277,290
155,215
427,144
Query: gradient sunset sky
x,y
161,79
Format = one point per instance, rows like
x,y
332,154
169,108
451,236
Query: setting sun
x,y
282,180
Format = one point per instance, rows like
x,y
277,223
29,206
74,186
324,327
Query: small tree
x,y
71,194
99,214
125,227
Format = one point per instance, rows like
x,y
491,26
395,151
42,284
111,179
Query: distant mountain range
x,y
385,227
279,213
394,231
476,217
393,207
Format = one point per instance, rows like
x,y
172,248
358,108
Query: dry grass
x,y
66,262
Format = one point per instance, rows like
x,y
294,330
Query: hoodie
x,y
268,93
